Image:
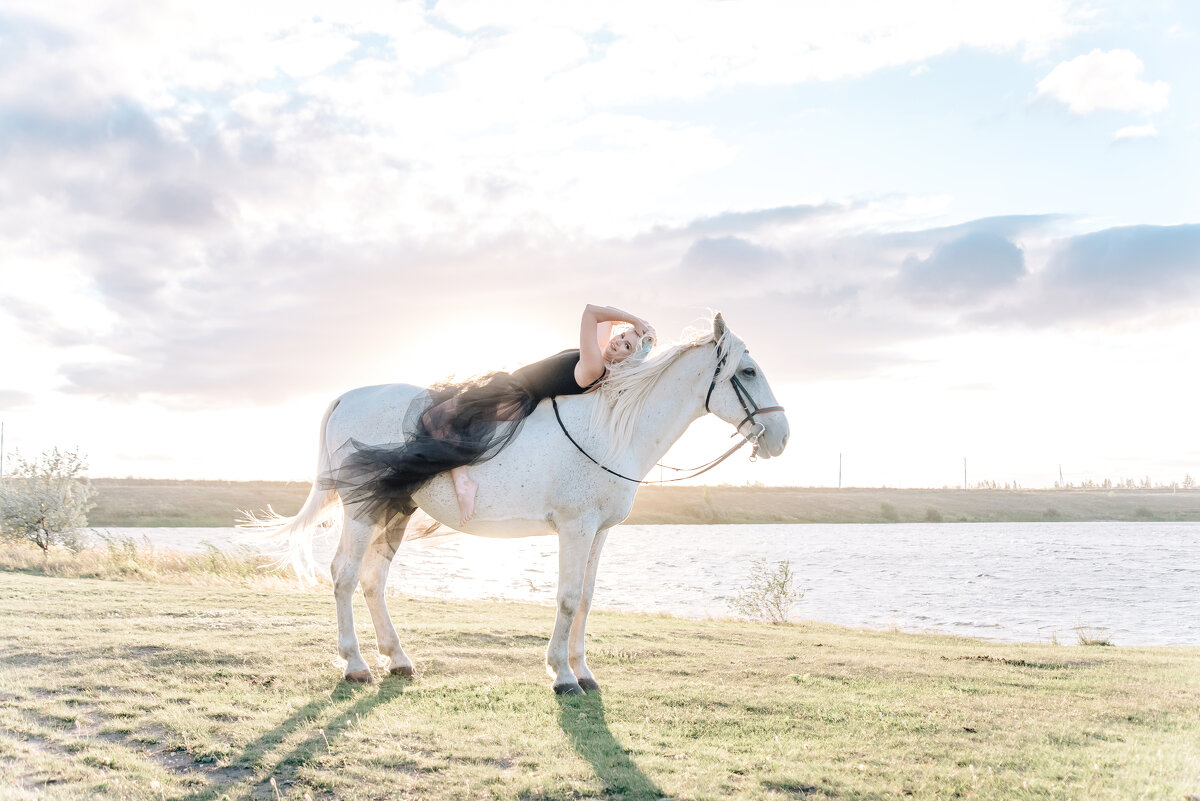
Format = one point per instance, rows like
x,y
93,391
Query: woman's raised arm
x,y
591,356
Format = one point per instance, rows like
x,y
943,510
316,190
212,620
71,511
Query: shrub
x,y
45,501
769,594
889,513
932,515
1092,636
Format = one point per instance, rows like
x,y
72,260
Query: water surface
x,y
1140,582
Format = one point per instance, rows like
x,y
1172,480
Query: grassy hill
x,y
145,502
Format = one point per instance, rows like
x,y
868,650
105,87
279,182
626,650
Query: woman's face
x,y
621,347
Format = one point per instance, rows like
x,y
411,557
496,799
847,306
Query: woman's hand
x,y
642,328
611,314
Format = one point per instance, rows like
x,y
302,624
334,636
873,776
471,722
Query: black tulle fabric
x,y
458,424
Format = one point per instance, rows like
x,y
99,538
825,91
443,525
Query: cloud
x,y
1130,274
967,269
281,200
41,322
735,222
658,53
728,256
1104,81
11,400
1006,226
183,203
1126,268
261,320
1147,131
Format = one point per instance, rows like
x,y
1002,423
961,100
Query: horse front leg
x,y
376,563
579,626
574,547
345,570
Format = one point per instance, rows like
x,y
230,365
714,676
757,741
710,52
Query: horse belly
x,y
502,509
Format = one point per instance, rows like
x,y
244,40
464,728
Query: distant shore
x,y
156,502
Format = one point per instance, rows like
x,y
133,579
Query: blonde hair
x,y
627,385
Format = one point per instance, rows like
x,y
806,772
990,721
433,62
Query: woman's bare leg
x,y
465,488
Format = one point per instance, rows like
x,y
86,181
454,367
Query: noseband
x,y
743,395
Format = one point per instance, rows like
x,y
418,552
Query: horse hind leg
x,y
376,563
346,570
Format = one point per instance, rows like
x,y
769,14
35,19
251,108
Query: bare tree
x,y
46,500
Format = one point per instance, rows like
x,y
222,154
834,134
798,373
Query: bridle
x,y
749,406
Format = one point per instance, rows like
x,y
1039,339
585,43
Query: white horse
x,y
540,483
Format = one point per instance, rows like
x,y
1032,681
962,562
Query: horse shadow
x,y
249,776
581,718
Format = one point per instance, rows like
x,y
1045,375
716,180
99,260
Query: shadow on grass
x,y
248,775
582,719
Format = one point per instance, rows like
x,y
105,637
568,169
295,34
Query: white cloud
x,y
1146,131
383,118
1104,81
646,52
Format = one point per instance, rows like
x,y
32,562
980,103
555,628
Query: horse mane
x,y
621,396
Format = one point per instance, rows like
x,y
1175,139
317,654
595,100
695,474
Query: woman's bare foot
x,y
465,488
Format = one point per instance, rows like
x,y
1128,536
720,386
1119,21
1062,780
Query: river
x,y
1136,583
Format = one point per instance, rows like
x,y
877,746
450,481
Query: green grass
x,y
144,502
130,689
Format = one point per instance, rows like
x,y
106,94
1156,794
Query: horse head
x,y
740,395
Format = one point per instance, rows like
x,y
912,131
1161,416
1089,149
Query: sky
x,y
947,230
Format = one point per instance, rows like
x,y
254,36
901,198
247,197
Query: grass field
x,y
138,502
128,689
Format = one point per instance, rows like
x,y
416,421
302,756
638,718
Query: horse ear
x,y
718,326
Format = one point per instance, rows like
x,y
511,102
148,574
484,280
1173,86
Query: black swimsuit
x,y
553,376
458,424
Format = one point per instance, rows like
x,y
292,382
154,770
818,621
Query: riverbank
x,y
132,690
146,502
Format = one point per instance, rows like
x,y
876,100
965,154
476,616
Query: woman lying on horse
x,y
467,423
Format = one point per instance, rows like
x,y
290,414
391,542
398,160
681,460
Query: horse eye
x,y
749,372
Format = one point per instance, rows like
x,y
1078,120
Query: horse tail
x,y
290,539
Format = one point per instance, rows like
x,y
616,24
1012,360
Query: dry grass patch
x,y
128,689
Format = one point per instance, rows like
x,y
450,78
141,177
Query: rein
x,y
748,405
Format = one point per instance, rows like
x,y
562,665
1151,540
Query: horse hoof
x,y
360,676
589,685
402,670
569,688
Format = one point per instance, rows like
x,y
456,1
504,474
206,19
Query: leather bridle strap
x,y
721,357
702,469
749,406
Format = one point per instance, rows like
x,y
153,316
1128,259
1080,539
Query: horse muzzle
x,y
774,437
